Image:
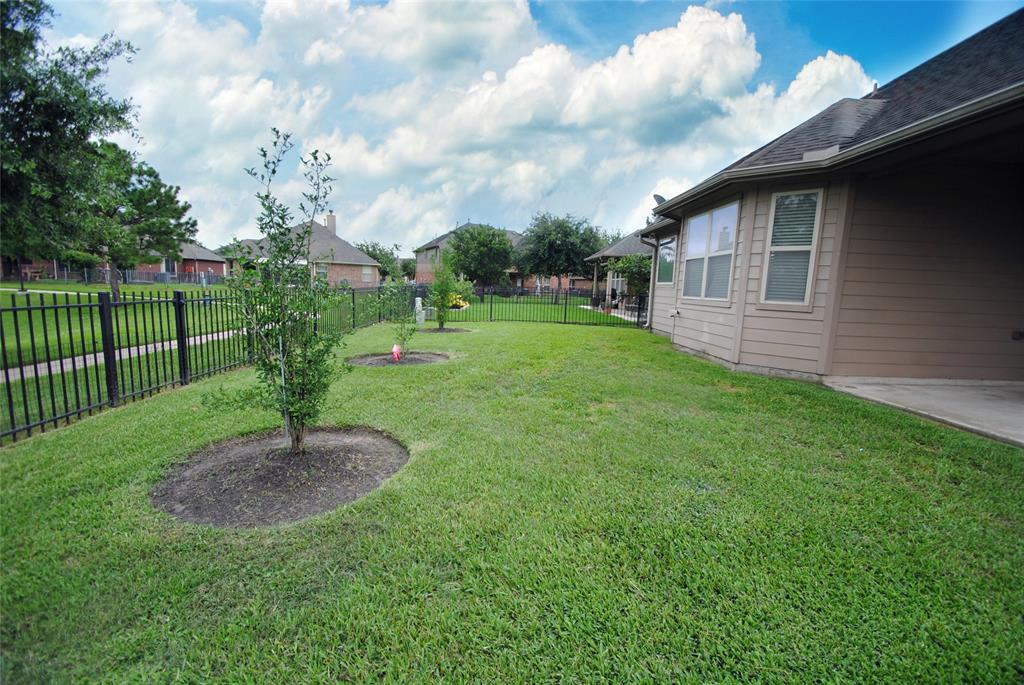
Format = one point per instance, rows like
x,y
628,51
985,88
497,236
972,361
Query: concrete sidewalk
x,y
994,409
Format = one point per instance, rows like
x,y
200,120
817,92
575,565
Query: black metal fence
x,y
69,355
552,306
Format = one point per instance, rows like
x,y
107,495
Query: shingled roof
x,y
193,251
442,240
324,246
631,244
987,62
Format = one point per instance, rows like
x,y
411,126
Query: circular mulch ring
x,y
444,330
408,359
253,481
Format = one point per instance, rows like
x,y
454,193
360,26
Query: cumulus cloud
x,y
436,111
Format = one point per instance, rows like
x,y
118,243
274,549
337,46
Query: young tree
x,y
53,105
636,269
444,290
481,253
395,303
386,256
132,216
281,303
557,245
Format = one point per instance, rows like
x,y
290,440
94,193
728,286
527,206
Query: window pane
x,y
697,236
787,276
794,219
666,260
723,228
693,277
718,276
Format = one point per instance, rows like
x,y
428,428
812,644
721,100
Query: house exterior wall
x,y
425,265
934,276
353,275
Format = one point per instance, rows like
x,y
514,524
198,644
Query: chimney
x,y
332,222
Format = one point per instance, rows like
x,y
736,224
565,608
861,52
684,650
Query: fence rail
x,y
68,355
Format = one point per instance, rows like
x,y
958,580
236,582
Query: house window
x,y
666,259
791,243
710,244
321,270
367,274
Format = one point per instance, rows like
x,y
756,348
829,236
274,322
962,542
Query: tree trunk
x,y
115,283
297,434
558,290
21,275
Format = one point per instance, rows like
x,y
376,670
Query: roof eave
x,y
869,148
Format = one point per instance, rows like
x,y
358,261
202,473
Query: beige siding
x,y
784,338
661,310
934,279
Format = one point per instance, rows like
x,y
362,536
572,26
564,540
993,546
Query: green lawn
x,y
71,286
582,504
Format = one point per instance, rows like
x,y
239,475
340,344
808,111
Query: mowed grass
x,y
126,288
582,504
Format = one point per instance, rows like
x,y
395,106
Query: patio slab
x,y
992,408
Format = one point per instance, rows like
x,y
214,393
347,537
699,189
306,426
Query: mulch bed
x,y
254,481
444,330
408,359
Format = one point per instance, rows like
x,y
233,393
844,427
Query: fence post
x,y
353,291
565,316
490,315
109,349
182,331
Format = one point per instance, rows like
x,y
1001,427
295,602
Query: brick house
x,y
193,259
335,259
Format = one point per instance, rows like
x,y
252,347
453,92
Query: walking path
x,y
82,361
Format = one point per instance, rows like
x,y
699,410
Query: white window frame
x,y
812,260
326,270
708,254
367,274
675,260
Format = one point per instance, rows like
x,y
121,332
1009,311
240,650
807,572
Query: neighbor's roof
x,y
196,251
631,244
324,246
985,69
442,240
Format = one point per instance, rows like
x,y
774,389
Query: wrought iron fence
x,y
68,355
548,306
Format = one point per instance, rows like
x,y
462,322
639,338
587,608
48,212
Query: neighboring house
x,y
882,237
336,260
428,254
632,244
193,259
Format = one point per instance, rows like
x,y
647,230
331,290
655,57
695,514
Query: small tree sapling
x,y
281,299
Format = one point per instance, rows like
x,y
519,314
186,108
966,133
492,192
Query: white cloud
x,y
434,112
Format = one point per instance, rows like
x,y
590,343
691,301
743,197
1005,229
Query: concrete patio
x,y
991,408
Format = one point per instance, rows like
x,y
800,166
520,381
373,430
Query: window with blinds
x,y
710,245
791,247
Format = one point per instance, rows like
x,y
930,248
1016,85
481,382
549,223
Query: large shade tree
x,y
481,253
386,256
558,245
53,107
131,216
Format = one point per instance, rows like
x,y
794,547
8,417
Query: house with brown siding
x,y
330,257
884,237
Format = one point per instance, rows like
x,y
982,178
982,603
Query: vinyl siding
x,y
782,338
934,279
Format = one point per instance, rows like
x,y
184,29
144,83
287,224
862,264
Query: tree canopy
x,y
53,107
636,269
558,245
481,253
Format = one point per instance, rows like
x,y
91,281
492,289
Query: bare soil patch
x,y
254,481
443,330
408,359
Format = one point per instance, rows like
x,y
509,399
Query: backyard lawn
x,y
581,504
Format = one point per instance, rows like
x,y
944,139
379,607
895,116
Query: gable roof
x,y
190,250
442,240
979,73
324,246
631,244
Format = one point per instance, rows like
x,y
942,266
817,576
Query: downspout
x,y
650,286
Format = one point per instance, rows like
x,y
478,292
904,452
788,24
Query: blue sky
x,y
436,113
